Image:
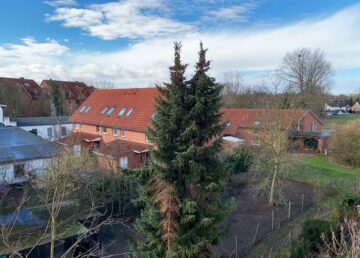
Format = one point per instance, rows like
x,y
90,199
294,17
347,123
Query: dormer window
x,y
228,124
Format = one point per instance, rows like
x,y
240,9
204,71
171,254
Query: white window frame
x,y
49,132
77,149
123,162
313,127
121,112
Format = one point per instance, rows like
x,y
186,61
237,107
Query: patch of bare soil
x,y
252,220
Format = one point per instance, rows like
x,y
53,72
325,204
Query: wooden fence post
x,y
302,203
289,212
256,233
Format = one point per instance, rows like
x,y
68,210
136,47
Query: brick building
x,y
304,127
29,98
72,93
113,123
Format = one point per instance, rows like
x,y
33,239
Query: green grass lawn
x,y
315,170
318,170
336,121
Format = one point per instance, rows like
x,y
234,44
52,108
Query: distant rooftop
x,y
17,144
34,121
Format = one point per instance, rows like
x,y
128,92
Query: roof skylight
x,y
110,110
121,112
104,110
87,109
129,112
83,109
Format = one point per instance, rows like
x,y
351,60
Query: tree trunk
x,y
272,190
53,237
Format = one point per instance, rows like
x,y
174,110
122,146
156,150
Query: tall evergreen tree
x,y
182,206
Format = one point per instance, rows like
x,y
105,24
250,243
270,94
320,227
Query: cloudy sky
x,y
129,42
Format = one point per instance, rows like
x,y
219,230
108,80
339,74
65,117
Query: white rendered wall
x,y
42,130
34,167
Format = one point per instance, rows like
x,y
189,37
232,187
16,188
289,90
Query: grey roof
x,y
34,121
337,103
17,144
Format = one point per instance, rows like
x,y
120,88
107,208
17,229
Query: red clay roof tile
x,y
142,100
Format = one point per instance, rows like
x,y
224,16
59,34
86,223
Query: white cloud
x,y
60,2
235,13
33,49
146,62
123,19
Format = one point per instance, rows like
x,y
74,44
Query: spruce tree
x,y
182,194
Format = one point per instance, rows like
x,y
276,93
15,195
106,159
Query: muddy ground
x,y
253,210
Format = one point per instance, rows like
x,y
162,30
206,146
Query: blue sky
x,y
129,42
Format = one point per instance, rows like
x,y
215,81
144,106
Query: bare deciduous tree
x,y
57,202
346,243
273,158
308,73
233,85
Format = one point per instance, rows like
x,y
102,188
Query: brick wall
x,y
109,135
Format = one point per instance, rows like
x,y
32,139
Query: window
x,y
121,112
153,115
257,122
49,132
115,131
19,170
123,162
77,149
83,109
110,110
104,129
104,110
63,131
87,109
255,141
129,112
34,131
122,132
313,127
146,138
228,124
97,128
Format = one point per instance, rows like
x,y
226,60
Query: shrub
x,y
345,145
312,231
348,203
238,162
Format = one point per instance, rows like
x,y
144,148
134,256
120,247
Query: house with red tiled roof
x,y
73,93
303,125
113,123
32,93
